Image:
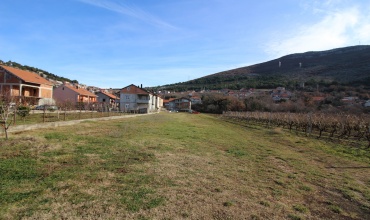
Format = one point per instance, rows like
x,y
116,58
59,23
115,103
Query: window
x,y
8,76
103,100
127,97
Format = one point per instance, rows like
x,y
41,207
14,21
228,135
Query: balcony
x,y
142,101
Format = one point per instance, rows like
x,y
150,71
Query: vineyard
x,y
353,128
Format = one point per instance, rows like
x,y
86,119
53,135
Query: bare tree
x,y
7,110
65,106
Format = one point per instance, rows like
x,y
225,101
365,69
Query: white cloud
x,y
333,31
129,10
363,33
321,6
337,28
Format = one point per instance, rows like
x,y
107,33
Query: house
x,y
27,87
137,99
105,97
350,100
318,99
166,102
73,94
107,100
280,93
160,101
196,100
180,104
367,104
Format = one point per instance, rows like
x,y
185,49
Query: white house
x,y
137,99
367,104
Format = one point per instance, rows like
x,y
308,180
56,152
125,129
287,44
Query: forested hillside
x,y
348,66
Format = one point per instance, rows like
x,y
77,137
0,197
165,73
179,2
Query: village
x,y
31,89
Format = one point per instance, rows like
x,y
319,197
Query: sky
x,y
114,43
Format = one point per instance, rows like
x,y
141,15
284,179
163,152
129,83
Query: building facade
x,y
137,99
180,104
68,93
107,100
26,87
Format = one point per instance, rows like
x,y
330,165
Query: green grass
x,y
175,166
300,208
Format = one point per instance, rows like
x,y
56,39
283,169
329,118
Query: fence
x,y
23,117
333,126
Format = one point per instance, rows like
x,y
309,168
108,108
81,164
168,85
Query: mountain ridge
x,y
347,65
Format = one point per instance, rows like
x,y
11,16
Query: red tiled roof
x,y
318,98
132,89
80,91
26,75
109,95
168,100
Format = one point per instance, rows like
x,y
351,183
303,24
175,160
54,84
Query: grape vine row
x,y
340,126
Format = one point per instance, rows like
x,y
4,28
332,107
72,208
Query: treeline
x,y
218,103
234,82
301,102
219,82
43,73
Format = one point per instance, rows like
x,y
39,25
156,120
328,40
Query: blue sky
x,y
114,43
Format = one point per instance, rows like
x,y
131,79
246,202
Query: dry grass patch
x,y
179,166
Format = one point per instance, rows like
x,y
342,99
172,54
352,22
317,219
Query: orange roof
x,y
26,75
168,100
80,91
109,95
132,89
318,98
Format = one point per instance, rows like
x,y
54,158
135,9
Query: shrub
x,y
23,111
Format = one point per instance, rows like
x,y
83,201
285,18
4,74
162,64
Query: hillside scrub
x,y
179,166
300,102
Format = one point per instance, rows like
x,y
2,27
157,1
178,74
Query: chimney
x,y
141,86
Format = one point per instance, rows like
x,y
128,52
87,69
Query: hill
x,y
346,66
41,72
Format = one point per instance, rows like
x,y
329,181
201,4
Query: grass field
x,y
179,166
40,117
